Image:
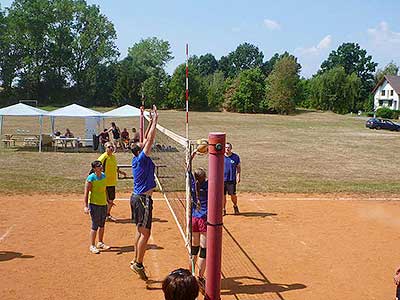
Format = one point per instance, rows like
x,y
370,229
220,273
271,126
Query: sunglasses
x,y
110,146
179,272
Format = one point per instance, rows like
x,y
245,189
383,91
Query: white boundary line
x,y
7,232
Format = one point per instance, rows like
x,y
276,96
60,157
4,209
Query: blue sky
x,y
308,29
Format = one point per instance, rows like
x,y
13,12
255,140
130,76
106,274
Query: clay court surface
x,y
282,246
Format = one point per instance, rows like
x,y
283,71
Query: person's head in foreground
x,y
180,285
136,148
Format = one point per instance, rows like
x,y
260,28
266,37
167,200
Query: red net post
x,y
141,124
216,147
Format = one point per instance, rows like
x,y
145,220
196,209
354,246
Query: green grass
x,y
317,152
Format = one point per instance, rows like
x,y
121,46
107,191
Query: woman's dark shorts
x,y
230,187
142,210
98,214
110,193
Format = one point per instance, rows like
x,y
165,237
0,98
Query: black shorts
x,y
98,214
142,210
110,190
230,187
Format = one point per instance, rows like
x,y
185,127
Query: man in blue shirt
x,y
231,176
143,186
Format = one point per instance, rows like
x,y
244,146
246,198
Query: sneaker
x,y
102,246
111,219
94,250
224,212
236,209
139,270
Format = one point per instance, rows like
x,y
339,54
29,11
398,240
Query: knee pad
x,y
195,250
203,252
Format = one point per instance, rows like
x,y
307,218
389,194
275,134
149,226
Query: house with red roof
x,y
387,93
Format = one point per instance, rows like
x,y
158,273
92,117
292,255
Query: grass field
x,y
311,152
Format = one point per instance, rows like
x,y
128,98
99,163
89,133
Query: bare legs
x,y
141,239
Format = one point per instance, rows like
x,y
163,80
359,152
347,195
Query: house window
x,y
380,102
383,93
391,93
390,102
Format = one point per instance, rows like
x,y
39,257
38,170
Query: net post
x,y
216,147
141,124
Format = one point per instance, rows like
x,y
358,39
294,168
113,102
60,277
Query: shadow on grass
x,y
9,255
237,285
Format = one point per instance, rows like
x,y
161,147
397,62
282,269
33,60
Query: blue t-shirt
x,y
143,173
199,196
230,165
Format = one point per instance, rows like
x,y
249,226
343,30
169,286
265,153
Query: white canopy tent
x,y
23,110
124,111
76,111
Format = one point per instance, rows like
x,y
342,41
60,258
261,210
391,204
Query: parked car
x,y
375,123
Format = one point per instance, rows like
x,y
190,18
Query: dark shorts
x,y
142,210
230,187
98,214
110,190
199,225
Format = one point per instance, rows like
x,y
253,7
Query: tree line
x,y
64,51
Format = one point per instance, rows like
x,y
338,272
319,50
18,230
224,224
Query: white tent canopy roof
x,y
74,110
21,109
124,111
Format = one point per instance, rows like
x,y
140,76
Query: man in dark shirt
x,y
231,176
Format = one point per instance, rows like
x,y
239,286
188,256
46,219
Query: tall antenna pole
x,y
187,91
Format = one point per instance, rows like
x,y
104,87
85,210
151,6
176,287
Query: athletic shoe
x,y
111,219
102,246
94,250
236,209
139,270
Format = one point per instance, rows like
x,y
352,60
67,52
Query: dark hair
x,y
135,148
230,145
113,124
180,284
95,164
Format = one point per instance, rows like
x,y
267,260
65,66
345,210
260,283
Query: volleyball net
x,y
171,153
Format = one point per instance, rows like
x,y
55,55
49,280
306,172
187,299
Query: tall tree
x,y
205,64
354,60
249,92
146,59
93,43
197,94
246,56
390,69
282,85
334,90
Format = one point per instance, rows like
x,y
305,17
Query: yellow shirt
x,y
111,168
98,193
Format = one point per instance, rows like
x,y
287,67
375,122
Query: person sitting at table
x,y
69,134
104,137
125,138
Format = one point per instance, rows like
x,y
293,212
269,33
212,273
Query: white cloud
x,y
325,43
271,24
383,36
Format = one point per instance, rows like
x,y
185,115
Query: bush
x,y
370,114
385,113
395,114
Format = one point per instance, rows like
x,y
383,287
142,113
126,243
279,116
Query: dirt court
x,y
282,246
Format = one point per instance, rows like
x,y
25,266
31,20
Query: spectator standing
x,y
104,137
116,134
95,202
110,169
232,170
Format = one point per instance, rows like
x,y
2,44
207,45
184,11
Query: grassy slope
x,y
308,152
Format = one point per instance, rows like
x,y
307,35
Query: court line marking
x,y
7,232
